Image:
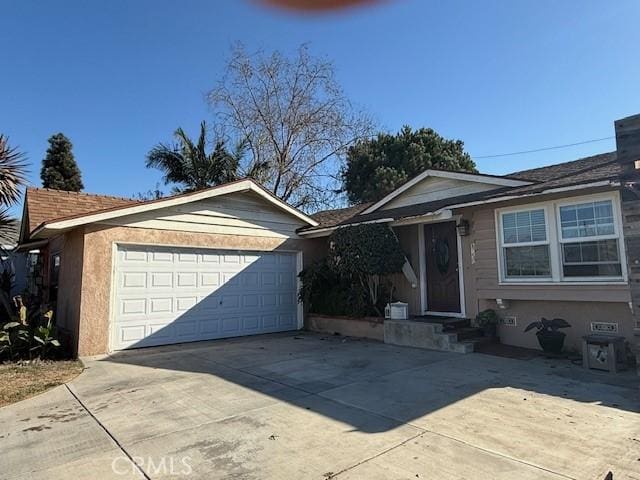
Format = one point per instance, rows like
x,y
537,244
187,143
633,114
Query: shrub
x,y
30,334
353,279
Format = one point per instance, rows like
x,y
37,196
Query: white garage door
x,y
173,295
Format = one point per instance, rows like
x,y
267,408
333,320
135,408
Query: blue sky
x,y
119,76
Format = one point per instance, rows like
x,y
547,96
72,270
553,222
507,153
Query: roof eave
x,y
477,177
237,187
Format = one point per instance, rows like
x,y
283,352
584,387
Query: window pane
x,y
510,235
587,219
524,234
509,220
591,259
593,270
531,261
524,227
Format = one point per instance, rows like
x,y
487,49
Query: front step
x,y
421,334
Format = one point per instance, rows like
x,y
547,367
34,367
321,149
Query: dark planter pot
x,y
551,342
490,330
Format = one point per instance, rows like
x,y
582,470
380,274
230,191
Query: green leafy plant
x,y
488,321
13,338
546,326
550,338
366,253
354,278
43,336
325,292
31,333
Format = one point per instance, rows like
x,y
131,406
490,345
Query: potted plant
x,y
488,321
551,340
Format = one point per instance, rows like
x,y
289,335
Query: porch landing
x,y
447,334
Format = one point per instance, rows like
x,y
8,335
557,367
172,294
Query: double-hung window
x,y
572,241
525,244
589,240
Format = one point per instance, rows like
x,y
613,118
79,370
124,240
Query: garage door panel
x,y
210,279
169,295
208,327
133,279
133,306
184,304
186,279
161,279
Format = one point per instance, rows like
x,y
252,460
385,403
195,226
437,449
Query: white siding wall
x,y
234,214
435,188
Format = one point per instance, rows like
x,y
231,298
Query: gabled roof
x,y
63,217
42,205
505,181
597,170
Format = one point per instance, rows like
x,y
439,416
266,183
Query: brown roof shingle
x,y
44,204
576,172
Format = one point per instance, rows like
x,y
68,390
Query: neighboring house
x,y
13,263
223,262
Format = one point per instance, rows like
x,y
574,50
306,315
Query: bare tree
x,y
295,120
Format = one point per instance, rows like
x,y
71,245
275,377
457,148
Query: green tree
x,y
190,166
377,166
59,168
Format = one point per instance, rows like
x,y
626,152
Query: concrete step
x,y
468,333
421,334
462,347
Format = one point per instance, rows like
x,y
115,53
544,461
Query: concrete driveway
x,y
309,406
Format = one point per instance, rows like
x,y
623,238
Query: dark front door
x,y
441,251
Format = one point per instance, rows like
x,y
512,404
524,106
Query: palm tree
x,y
12,178
188,164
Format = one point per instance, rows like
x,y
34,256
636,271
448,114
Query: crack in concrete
x,y
399,422
122,449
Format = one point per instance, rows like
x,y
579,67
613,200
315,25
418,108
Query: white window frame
x,y
555,241
503,244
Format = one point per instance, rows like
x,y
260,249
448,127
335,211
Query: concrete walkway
x,y
309,406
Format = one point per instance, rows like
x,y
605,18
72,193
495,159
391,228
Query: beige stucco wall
x,y
99,241
70,246
578,314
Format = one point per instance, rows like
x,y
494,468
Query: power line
x,y
546,148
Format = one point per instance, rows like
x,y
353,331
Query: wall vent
x,y
510,321
604,327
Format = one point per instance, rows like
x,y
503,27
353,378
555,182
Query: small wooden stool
x,y
609,343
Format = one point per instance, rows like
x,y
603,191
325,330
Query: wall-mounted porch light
x,y
463,228
502,303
